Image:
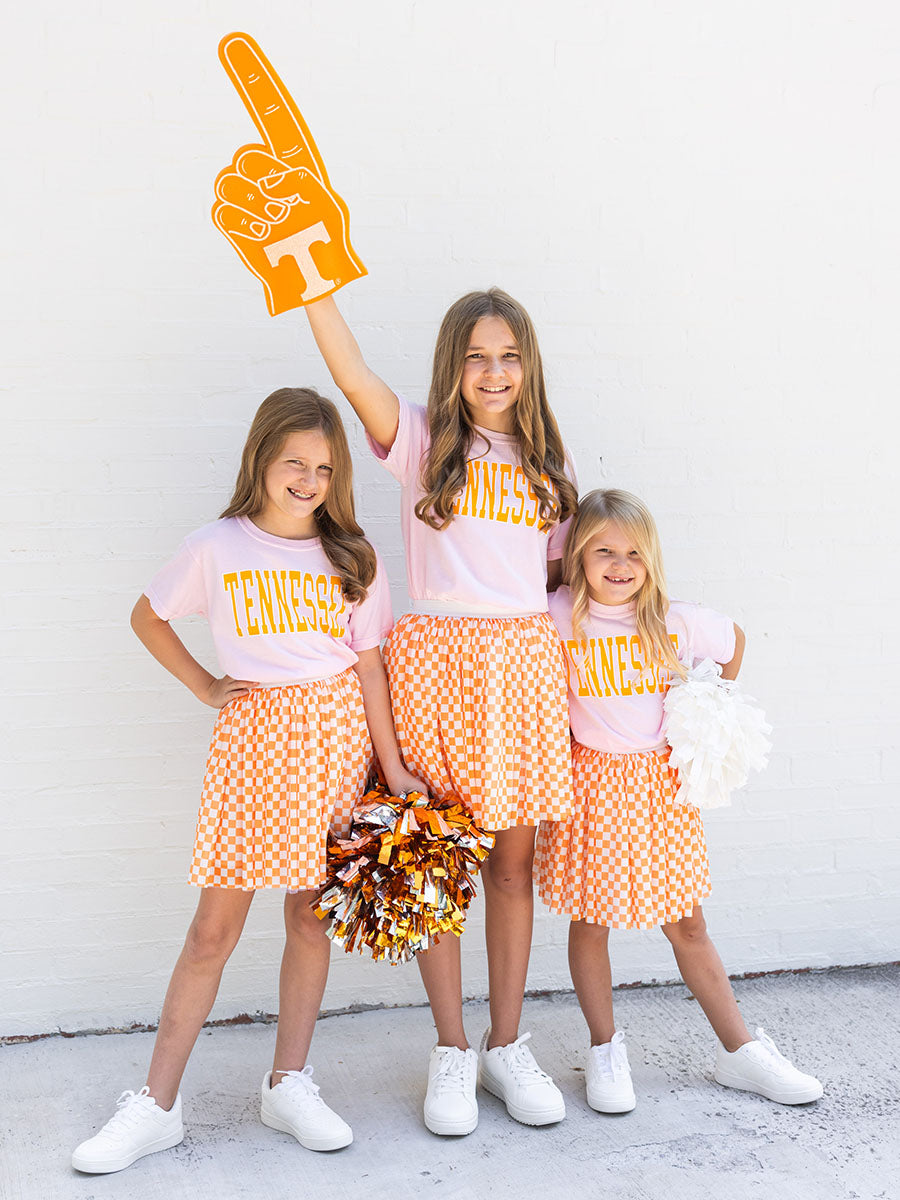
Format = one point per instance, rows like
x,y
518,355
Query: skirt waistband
x,y
292,683
655,752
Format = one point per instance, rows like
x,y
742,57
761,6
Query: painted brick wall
x,y
698,205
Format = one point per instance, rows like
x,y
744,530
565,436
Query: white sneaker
x,y
294,1106
759,1067
450,1104
138,1127
608,1077
511,1073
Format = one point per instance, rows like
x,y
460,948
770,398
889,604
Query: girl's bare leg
x,y
509,916
304,972
592,978
213,934
442,976
702,971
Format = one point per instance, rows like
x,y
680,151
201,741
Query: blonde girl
x,y
630,857
297,604
476,675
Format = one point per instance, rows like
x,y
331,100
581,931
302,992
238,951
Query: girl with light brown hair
x,y
297,604
475,669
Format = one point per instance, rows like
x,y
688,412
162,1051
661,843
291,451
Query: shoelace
x,y
771,1049
299,1082
451,1073
521,1062
614,1063
128,1108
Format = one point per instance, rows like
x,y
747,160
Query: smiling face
x,y
492,375
612,566
296,483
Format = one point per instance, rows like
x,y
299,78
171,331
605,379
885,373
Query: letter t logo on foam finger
x,y
275,203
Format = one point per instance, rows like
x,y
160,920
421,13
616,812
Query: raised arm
x,y
375,404
730,669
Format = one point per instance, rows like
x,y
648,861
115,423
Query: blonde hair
x,y
299,410
596,510
540,445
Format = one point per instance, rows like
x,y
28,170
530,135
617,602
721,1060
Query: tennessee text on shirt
x,y
285,602
499,492
614,666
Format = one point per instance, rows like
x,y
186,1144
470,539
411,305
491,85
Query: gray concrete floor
x,y
688,1137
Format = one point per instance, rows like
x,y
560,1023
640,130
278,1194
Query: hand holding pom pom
x,y
717,736
404,877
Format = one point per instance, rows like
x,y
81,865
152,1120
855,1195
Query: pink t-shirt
x,y
275,606
615,697
491,560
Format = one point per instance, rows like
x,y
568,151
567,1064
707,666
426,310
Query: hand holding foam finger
x,y
275,203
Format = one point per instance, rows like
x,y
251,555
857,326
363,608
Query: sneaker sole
x,y
451,1128
611,1106
800,1096
110,1165
335,1142
525,1116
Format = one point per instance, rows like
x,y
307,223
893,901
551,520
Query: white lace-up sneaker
x,y
608,1077
294,1106
511,1073
759,1067
138,1127
450,1104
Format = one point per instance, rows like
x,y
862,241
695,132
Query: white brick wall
x,y
698,205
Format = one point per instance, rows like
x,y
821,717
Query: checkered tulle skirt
x,y
480,709
629,857
285,763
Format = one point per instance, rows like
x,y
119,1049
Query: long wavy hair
x,y
299,410
540,445
596,510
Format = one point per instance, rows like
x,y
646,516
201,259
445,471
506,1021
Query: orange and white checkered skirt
x,y
285,763
480,709
629,857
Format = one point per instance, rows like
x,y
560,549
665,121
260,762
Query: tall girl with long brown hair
x,y
476,674
298,605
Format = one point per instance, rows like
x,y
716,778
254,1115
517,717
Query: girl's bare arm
x,y
730,669
376,405
167,648
377,701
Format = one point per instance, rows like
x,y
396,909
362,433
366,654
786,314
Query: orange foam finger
x,y
302,251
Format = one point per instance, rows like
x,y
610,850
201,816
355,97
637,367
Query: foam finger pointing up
x,y
269,103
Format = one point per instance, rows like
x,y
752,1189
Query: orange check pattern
x,y
480,709
284,764
630,857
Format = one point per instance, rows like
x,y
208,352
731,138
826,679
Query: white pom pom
x,y
717,736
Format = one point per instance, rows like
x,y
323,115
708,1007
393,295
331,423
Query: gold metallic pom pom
x,y
404,876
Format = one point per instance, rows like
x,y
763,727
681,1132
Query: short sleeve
x,y
178,590
405,456
372,619
712,636
559,604
557,539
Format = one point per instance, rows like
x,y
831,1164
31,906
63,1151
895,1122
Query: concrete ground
x,y
687,1138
